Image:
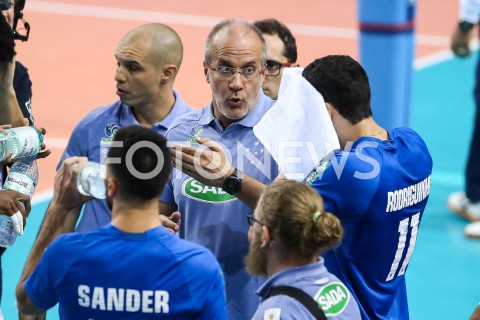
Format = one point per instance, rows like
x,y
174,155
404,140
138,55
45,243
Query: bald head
x,y
163,43
232,28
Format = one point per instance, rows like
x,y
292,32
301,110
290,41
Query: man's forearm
x,y
10,110
250,191
57,220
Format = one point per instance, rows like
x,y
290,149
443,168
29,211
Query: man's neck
x,y
365,128
135,217
148,115
277,263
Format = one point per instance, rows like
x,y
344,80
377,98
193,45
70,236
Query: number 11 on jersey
x,y
403,229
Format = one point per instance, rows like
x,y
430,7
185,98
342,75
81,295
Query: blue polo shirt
x,y
92,137
210,216
379,190
110,274
326,289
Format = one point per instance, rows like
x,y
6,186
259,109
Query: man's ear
x,y
265,239
329,108
205,72
169,73
112,186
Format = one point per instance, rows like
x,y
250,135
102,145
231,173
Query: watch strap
x,y
465,26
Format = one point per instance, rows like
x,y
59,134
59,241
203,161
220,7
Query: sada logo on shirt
x,y
333,298
193,189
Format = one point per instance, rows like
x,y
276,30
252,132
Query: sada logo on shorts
x,y
193,189
333,298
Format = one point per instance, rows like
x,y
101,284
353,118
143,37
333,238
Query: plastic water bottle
x,y
21,141
22,177
91,180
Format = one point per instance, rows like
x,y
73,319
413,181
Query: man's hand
x,y
171,223
460,44
43,151
11,205
209,166
65,192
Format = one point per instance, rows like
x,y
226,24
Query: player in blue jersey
x,y
148,60
288,230
130,269
211,214
378,185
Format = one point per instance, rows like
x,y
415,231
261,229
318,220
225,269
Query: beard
x,y
256,259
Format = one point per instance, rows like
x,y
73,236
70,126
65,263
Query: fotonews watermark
x,y
299,158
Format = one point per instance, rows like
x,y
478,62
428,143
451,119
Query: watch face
x,y
232,184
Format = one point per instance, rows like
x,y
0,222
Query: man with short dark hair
x,y
281,53
130,269
377,185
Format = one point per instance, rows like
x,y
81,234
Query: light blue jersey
x,y
379,190
92,137
212,217
110,274
330,294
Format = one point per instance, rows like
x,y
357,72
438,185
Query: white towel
x,y
297,130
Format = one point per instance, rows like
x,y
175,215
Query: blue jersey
x,y
210,216
379,190
110,274
92,137
330,294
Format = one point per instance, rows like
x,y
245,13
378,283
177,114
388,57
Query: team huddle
x,y
215,233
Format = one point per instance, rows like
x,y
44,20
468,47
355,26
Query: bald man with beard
x,y
148,61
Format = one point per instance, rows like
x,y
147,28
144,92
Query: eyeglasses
x,y
274,67
251,220
227,73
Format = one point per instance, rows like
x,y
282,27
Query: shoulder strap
x,y
299,295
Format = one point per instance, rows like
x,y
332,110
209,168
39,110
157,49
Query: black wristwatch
x,y
233,183
465,26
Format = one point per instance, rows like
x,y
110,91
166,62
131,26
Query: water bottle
x,y
21,141
91,180
22,177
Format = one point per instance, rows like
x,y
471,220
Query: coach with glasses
x,y
234,67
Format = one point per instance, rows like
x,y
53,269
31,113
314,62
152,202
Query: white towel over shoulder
x,y
297,130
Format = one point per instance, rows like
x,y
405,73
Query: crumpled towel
x,y
297,130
